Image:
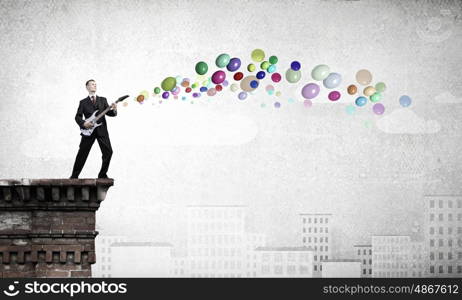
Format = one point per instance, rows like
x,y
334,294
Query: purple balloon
x,y
334,96
242,95
165,95
234,64
218,77
378,109
310,91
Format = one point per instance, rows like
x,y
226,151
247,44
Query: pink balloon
x,y
218,77
334,96
276,77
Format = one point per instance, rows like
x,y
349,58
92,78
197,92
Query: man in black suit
x,y
86,107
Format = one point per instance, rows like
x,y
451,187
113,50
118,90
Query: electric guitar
x,y
93,119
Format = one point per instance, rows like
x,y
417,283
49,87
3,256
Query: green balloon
x,y
380,87
375,97
157,90
264,65
222,60
168,84
293,76
320,72
201,68
273,60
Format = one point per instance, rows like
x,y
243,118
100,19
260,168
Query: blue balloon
x,y
361,101
405,100
271,68
254,84
203,89
261,75
333,80
295,65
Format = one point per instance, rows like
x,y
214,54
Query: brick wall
x,y
47,226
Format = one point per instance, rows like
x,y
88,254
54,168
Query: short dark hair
x,y
88,81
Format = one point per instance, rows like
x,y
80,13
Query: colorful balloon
x,y
157,90
238,76
273,60
254,84
211,92
201,68
264,65
251,67
333,80
219,88
363,77
352,89
218,77
361,101
257,55
293,76
245,83
350,109
165,95
380,87
261,75
368,91
168,84
375,97
295,65
222,60
334,96
242,95
310,91
320,72
378,108
271,68
405,101
276,77
277,104
234,87
234,64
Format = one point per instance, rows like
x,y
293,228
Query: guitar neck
x,y
99,116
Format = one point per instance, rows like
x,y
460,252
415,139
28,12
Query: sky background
x,y
369,171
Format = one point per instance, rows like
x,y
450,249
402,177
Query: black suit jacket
x,y
86,109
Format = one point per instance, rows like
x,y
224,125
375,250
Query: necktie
x,y
93,100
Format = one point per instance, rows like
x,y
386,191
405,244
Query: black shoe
x,y
103,176
73,177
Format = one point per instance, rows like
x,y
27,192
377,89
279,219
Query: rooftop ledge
x,y
53,194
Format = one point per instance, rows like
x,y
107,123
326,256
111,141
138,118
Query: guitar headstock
x,y
122,98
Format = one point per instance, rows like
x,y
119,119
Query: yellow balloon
x,y
258,55
369,91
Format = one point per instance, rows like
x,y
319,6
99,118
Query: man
x,y
86,107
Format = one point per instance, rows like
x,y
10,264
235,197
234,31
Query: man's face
x,y
91,87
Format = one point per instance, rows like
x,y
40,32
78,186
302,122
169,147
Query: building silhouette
x,y
284,262
443,235
364,254
316,234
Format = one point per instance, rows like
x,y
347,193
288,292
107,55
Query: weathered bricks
x,y
47,226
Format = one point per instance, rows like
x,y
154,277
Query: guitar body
x,y
94,118
89,131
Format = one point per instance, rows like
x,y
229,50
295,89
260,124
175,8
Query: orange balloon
x,y
352,89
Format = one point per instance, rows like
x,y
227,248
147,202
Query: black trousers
x,y
84,149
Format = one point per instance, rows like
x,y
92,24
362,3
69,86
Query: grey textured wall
x,y
369,171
